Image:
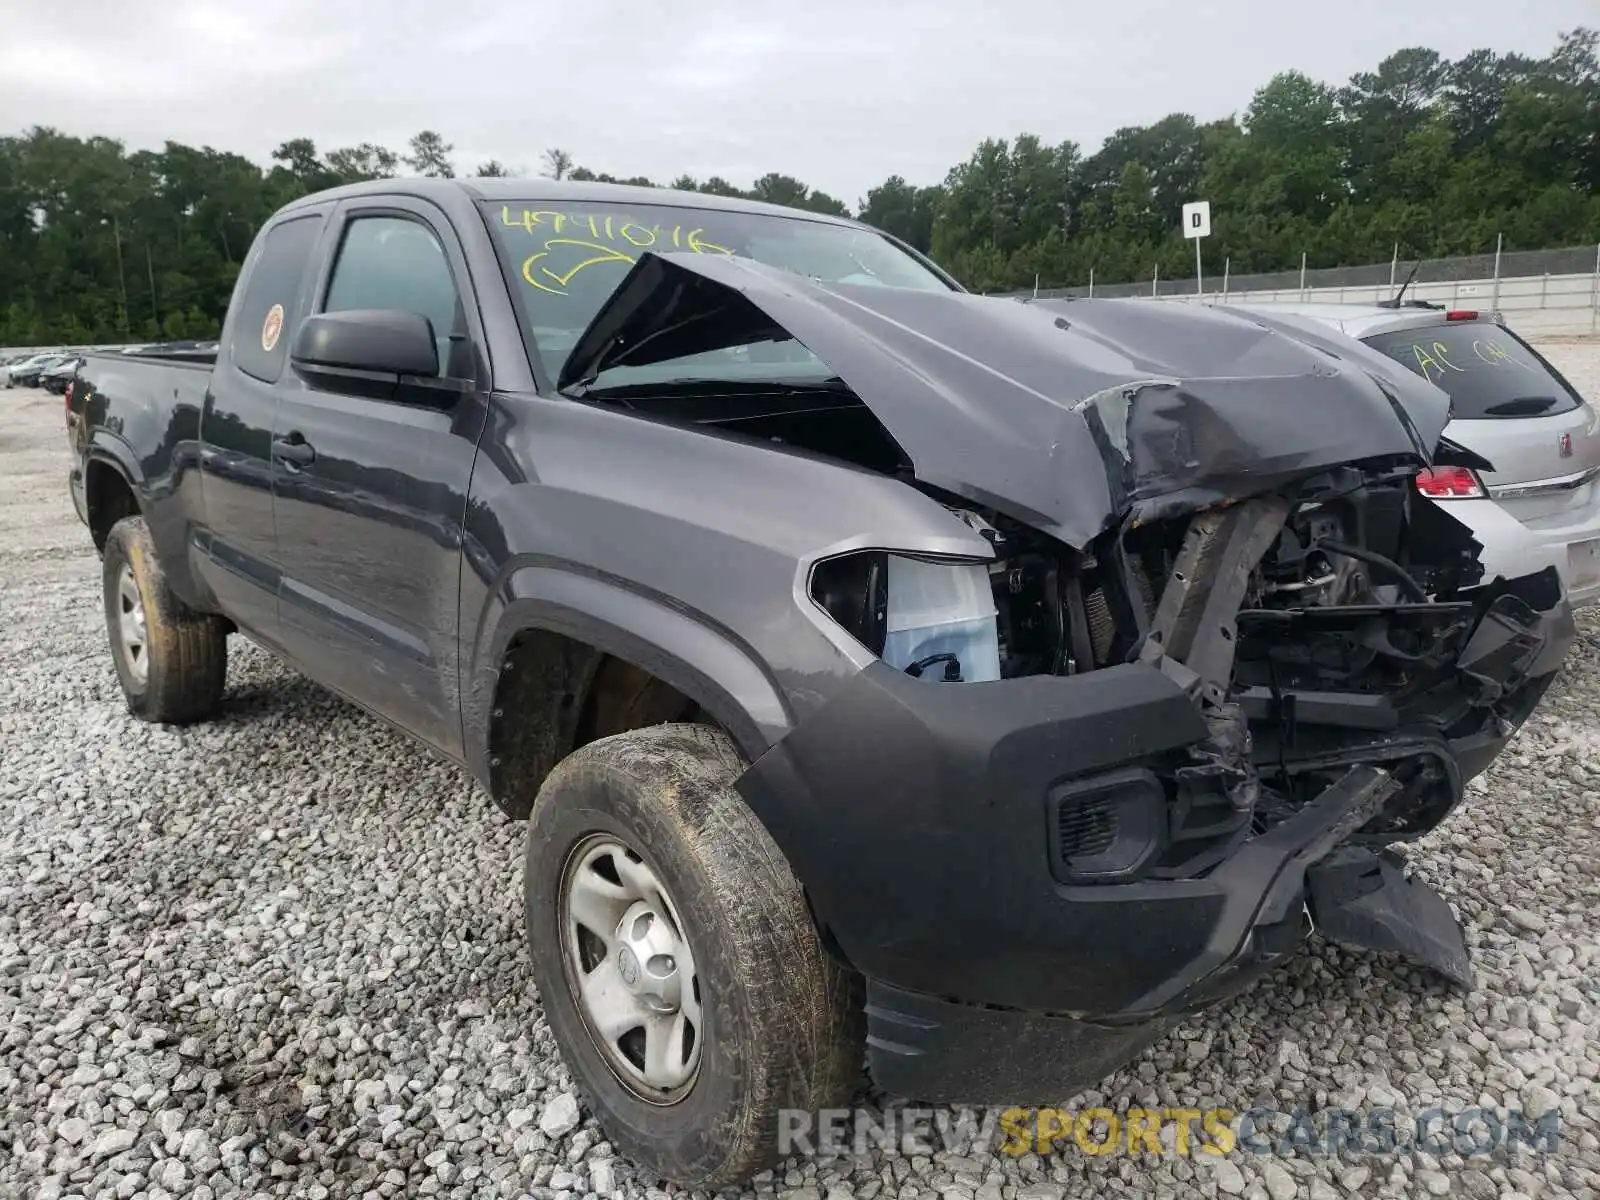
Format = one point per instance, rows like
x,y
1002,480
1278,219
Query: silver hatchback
x,y
1517,412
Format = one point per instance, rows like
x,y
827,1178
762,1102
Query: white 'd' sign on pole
x,y
1197,225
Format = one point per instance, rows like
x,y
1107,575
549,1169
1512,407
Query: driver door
x,y
370,494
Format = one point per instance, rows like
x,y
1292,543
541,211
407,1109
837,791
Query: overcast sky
x,y
840,93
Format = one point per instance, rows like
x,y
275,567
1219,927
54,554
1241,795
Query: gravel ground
x,y
280,954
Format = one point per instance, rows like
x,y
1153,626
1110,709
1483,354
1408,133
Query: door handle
x,y
294,449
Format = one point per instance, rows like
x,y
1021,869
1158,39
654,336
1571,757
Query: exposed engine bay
x,y
1321,629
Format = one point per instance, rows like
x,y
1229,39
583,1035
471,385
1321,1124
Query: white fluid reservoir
x,y
941,608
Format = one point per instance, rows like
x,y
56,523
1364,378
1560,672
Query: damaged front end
x,y
1209,732
1224,656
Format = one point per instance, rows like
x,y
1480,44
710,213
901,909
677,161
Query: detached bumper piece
x,y
1361,899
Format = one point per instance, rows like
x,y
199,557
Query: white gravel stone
x,y
1435,1183
1353,1178
1280,1184
113,1141
1229,1178
280,954
169,1121
1538,1100
172,1175
560,1116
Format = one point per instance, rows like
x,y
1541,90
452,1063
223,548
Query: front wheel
x,y
172,662
678,963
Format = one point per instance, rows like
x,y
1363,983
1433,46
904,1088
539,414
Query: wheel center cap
x,y
647,958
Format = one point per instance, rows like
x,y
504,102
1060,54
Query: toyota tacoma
x,y
889,677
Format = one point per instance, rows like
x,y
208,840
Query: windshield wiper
x,y
1522,406
700,385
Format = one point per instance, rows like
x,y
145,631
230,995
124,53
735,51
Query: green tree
x,y
780,189
557,164
366,161
430,155
904,210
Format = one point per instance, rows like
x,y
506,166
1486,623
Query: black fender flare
x,y
112,452
108,448
704,661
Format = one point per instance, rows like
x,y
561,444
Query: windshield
x,y
565,262
1488,371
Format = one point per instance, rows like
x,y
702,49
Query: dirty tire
x,y
783,1020
187,651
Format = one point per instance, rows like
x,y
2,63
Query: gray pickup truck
x,y
888,676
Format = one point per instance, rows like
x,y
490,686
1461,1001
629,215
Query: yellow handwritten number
x,y
547,279
700,246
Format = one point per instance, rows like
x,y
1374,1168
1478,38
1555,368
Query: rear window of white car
x,y
1488,371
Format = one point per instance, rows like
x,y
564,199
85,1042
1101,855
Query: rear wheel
x,y
678,963
172,662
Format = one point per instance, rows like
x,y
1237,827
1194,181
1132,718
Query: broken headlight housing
x,y
933,618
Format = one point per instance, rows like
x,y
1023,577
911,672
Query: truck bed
x,y
139,413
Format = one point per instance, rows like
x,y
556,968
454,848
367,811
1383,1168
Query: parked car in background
x,y
56,378
27,372
1538,437
18,367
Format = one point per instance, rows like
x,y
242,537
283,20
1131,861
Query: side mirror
x,y
386,353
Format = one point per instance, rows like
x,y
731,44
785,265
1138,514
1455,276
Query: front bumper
x,y
919,818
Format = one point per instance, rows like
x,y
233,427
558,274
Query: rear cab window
x,y
1489,372
267,307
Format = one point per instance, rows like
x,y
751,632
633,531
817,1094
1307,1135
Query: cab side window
x,y
393,262
266,314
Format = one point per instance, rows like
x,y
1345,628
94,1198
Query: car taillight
x,y
1461,314
1450,483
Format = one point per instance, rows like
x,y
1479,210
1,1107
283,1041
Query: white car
x,y
25,372
8,364
1511,408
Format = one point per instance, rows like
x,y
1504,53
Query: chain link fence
x,y
1555,292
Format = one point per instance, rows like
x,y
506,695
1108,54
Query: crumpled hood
x,y
1069,415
